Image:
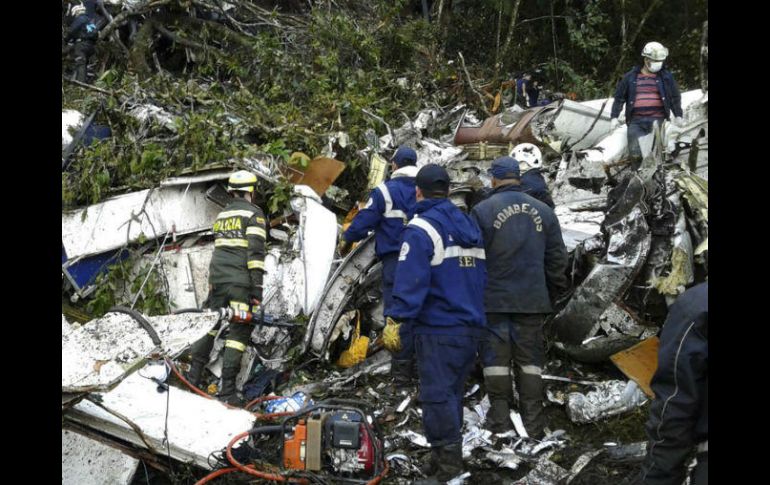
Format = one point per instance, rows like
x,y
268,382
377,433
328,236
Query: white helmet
x,y
78,10
528,156
655,51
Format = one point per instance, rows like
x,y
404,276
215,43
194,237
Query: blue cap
x,y
404,156
433,178
505,168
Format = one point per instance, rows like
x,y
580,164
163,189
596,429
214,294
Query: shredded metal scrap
x,y
608,399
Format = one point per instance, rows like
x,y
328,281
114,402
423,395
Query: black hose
x,y
273,428
187,310
140,320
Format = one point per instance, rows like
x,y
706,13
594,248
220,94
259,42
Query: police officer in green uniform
x,y
235,279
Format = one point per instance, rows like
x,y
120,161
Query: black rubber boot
x,y
195,373
228,393
430,468
450,462
531,404
200,356
499,417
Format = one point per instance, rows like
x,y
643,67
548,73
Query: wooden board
x,y
320,173
639,362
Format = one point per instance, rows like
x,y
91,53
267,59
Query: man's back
x,y
524,247
229,263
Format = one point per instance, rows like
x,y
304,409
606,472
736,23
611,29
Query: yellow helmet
x,y
242,180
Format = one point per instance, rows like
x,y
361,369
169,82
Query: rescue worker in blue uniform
x,y
527,271
438,292
679,419
387,212
532,182
84,30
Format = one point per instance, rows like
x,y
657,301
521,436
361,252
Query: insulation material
x,y
608,399
98,354
138,400
124,219
88,462
681,273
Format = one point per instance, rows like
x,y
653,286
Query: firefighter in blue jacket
x,y
527,271
679,418
438,292
387,212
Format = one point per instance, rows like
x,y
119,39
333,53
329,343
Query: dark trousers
x,y
666,464
637,128
83,50
516,337
444,363
237,334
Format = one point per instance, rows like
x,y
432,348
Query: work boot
x,y
450,462
531,404
499,417
228,393
195,373
446,462
430,468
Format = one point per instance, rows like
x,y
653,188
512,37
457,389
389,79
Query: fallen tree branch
x,y
89,86
470,84
123,17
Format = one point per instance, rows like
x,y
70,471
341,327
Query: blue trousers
x,y
637,128
444,363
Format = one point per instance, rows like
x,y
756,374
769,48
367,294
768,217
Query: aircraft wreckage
x,y
636,239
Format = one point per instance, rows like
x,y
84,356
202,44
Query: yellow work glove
x,y
355,354
390,336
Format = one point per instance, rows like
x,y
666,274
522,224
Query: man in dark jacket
x,y
528,260
84,30
650,94
235,279
679,421
439,291
387,212
532,182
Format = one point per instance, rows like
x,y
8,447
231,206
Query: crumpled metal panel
x,y
577,226
440,153
338,291
597,349
545,472
608,399
194,425
100,353
571,122
628,246
85,461
124,219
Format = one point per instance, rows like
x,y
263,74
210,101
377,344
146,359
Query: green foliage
x,y
120,283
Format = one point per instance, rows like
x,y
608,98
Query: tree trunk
x,y
624,53
511,25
